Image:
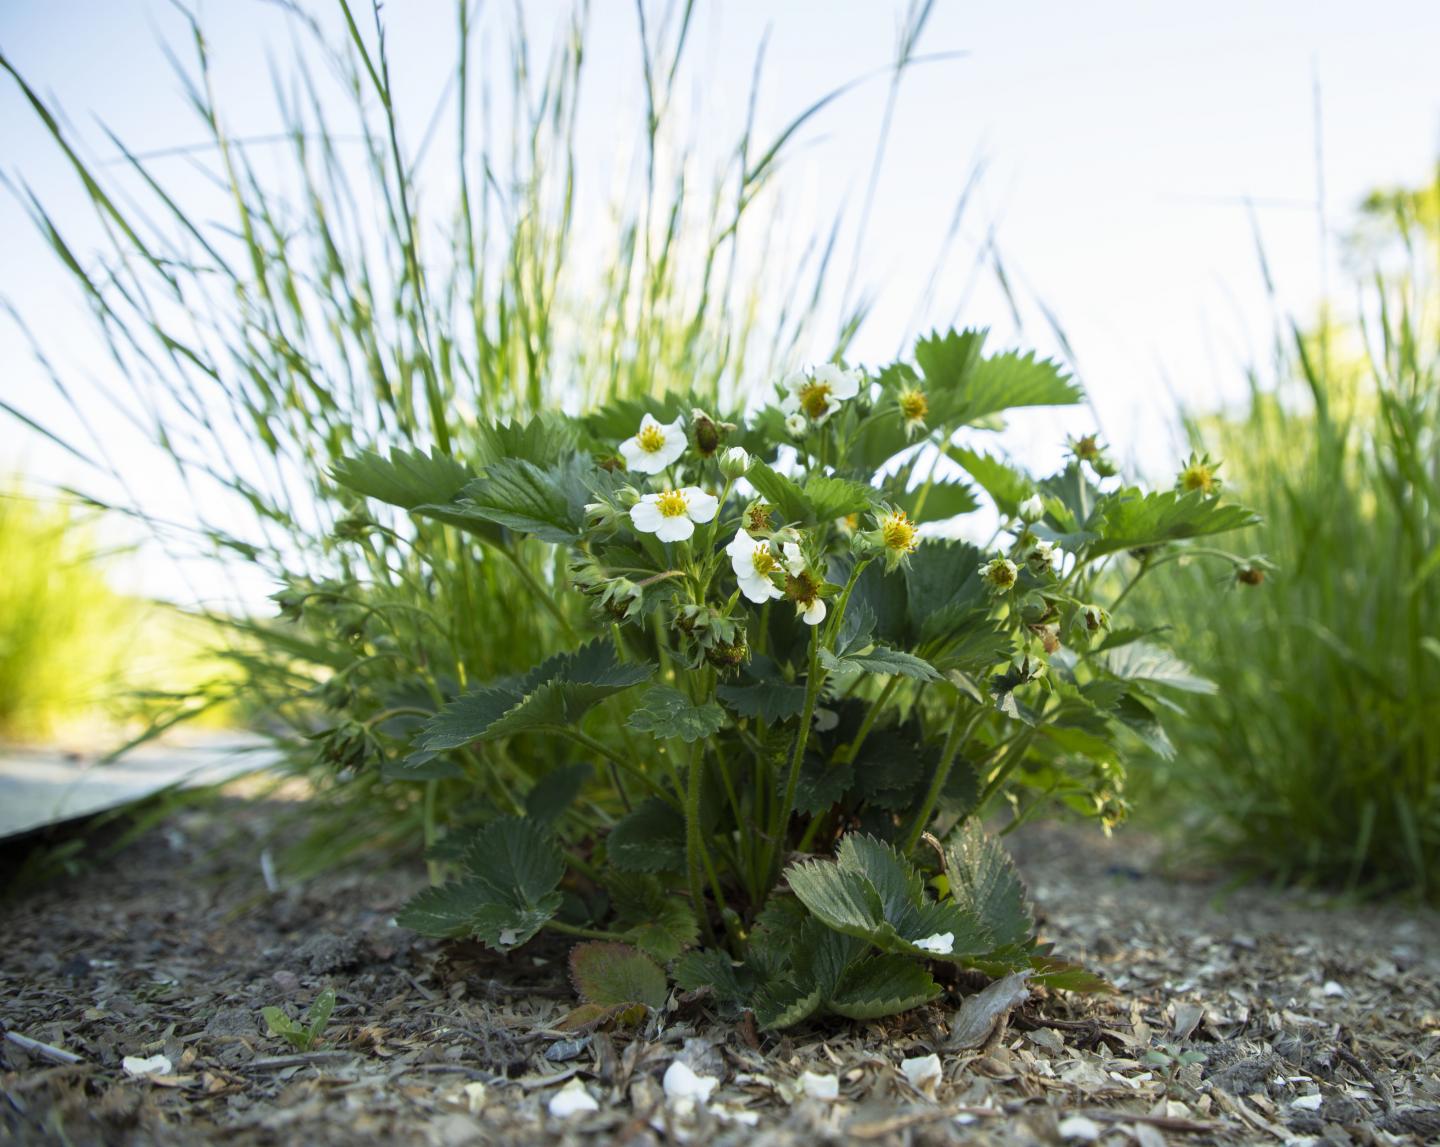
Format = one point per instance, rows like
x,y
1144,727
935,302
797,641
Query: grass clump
x,y
322,307
1317,757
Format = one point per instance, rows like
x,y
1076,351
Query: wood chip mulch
x,y
1254,1017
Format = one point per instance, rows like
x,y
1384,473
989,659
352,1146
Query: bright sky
x,y
1121,142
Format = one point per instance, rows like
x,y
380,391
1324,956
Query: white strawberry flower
x,y
753,563
654,445
672,515
819,394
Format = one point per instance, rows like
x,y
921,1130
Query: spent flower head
x,y
673,514
654,446
1087,449
1000,574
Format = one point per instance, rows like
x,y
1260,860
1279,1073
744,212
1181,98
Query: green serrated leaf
x,y
548,503
784,1003
882,659
984,882
1006,485
509,891
882,986
901,888
840,899
1132,519
781,492
829,498
612,975
713,969
650,839
447,911
762,692
650,916
1153,665
667,712
543,441
558,692
552,794
1004,382
406,479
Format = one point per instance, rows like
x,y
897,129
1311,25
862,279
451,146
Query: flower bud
x,y
796,425
1032,509
707,433
735,462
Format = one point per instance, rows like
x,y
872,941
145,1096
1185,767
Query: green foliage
x,y
667,712
1318,757
507,891
302,1036
818,663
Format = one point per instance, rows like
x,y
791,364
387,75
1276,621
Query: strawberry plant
x,y
796,700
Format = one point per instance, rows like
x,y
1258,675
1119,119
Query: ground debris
x,y
1268,1018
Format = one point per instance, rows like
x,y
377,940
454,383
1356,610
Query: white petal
x,y
682,1083
758,589
920,1070
700,505
942,943
648,421
814,613
646,515
673,448
646,463
820,1086
795,381
794,559
675,529
631,452
846,386
147,1065
572,1099
744,544
791,406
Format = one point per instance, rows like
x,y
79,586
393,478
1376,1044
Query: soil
x,y
1252,1017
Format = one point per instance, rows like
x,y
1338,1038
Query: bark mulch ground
x,y
1309,1023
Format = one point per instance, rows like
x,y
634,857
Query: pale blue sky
x,y
1121,140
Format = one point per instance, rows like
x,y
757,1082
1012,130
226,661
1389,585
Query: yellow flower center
x,y
1198,477
815,398
652,439
914,405
763,560
671,504
898,532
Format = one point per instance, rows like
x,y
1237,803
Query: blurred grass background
x,y
82,664
1318,757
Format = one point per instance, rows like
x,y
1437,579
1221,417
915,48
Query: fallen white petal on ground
x,y
820,1086
150,1065
682,1083
572,1099
1079,1127
921,1071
